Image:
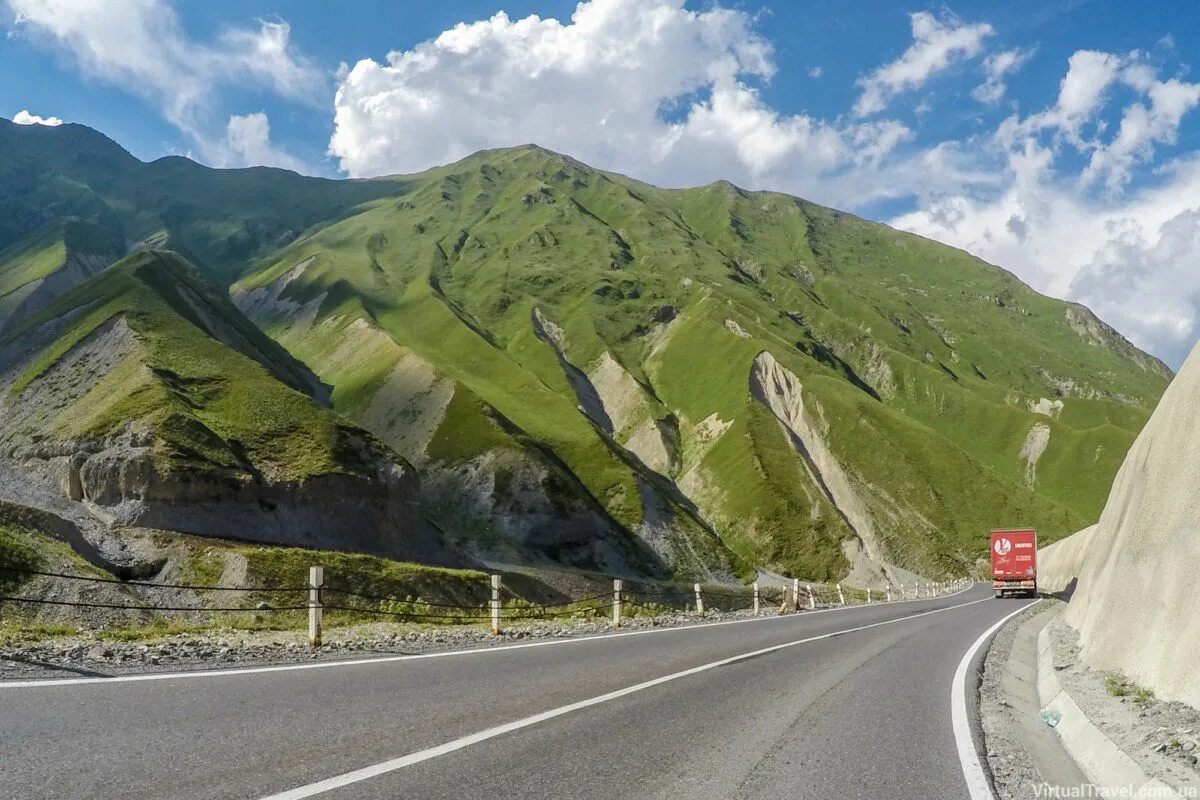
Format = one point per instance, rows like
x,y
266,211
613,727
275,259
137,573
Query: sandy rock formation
x,y
1136,606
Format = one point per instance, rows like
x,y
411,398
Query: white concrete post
x,y
495,605
812,598
868,594
699,600
902,591
616,602
316,579
795,594
756,598
889,591
841,597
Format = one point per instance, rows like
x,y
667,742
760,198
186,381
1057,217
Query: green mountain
x,y
145,397
594,372
72,201
817,386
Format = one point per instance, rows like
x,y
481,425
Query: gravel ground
x,y
1012,770
1162,737
90,655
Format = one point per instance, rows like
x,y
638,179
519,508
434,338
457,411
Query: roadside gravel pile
x,y
92,655
1163,737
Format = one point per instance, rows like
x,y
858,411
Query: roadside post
x,y
868,594
699,601
841,597
495,605
756,598
889,593
316,579
795,594
616,602
812,598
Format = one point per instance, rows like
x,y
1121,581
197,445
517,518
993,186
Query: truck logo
x,y
1002,546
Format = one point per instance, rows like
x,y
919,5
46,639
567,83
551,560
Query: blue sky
x,y
1057,139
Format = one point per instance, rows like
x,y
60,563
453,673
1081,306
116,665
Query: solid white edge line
x,y
968,756
357,662
384,767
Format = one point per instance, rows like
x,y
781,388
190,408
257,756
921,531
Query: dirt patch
x,y
1031,450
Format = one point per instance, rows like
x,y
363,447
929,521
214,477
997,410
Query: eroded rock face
x,y
1135,604
120,482
132,477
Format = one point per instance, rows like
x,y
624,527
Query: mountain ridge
x,y
568,356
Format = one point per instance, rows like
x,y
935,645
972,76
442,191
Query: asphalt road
x,y
763,710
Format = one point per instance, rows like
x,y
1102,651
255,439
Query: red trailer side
x,y
1014,561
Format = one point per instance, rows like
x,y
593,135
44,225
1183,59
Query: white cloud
x,y
936,44
1081,93
248,142
597,87
995,68
23,117
1127,254
140,46
1141,129
815,72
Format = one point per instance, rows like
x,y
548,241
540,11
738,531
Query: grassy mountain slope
x,y
70,191
585,369
146,396
529,304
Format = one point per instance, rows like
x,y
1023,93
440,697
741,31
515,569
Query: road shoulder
x,y
1050,725
1022,751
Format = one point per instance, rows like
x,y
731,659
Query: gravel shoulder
x,y
1013,772
1162,737
93,656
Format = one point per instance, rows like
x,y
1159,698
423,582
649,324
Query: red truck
x,y
1014,562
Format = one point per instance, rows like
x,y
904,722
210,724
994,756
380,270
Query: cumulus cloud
x,y
23,117
937,43
248,142
645,86
140,46
1127,253
996,67
1143,127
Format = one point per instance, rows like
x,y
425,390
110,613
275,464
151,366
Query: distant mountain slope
x,y
144,397
828,394
72,201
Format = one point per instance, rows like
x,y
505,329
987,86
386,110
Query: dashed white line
x,y
384,767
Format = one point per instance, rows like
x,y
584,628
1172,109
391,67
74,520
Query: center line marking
x,y
384,767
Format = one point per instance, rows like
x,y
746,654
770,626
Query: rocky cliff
x,y
1135,604
143,398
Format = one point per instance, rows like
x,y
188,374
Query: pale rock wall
x,y
1136,605
1060,563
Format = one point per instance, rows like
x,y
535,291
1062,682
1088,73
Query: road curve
x,y
848,703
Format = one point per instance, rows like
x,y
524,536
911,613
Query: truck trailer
x,y
1014,562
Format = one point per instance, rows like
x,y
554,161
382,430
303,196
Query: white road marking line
x,y
384,767
968,756
223,673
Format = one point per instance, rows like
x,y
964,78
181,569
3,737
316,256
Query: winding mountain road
x,y
846,703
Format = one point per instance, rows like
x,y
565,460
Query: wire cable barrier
x,y
422,611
